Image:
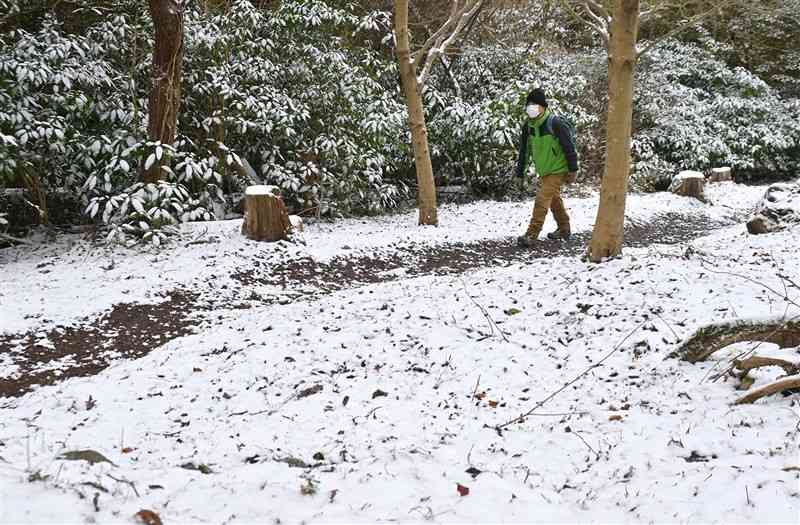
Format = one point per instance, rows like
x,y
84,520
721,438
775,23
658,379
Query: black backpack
x,y
570,127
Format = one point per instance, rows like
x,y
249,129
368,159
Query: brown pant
x,y
549,198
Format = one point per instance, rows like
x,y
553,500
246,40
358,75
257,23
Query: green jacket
x,y
545,143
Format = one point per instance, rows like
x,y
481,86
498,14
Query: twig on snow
x,y
127,482
585,443
492,322
521,417
11,238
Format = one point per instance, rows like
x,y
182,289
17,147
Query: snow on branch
x,y
715,8
461,12
596,16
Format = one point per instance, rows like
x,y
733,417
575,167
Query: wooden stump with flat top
x,y
265,216
689,184
723,174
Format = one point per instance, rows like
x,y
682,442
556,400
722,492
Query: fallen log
x,y
708,339
777,209
789,383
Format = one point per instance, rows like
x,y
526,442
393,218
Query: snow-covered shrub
x,y
317,118
692,111
277,87
147,213
63,101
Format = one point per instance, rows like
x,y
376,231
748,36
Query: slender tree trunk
x,y
416,118
165,94
607,235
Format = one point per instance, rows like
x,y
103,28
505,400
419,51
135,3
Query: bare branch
x,y
685,25
464,14
602,30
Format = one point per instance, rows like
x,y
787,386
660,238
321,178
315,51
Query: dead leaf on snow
x,y
462,490
148,517
310,391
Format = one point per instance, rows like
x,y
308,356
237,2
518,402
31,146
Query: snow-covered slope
x,y
376,403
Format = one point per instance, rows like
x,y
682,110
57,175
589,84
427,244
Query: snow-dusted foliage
x,y
317,118
305,95
475,132
276,87
693,111
72,116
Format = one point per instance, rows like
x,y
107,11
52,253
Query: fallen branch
x,y
11,238
789,383
492,323
127,482
755,361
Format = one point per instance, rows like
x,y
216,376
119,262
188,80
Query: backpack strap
x,y
549,123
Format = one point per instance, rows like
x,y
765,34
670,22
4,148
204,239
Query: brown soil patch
x,y
126,331
130,331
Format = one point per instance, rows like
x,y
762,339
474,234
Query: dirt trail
x,y
133,330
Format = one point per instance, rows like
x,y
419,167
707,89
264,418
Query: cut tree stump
x,y
708,339
723,174
689,184
265,216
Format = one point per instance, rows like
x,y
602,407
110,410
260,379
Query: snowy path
x,y
372,403
45,357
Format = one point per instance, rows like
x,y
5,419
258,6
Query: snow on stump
x,y
779,207
724,174
265,216
689,184
297,223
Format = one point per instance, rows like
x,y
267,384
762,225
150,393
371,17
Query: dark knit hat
x,y
536,97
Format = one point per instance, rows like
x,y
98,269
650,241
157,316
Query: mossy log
x,y
708,339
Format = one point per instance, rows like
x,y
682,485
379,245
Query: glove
x,y
571,177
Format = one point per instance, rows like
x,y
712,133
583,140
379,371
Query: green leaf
x,y
92,456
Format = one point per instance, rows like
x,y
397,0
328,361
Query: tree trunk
x,y
265,216
165,94
416,118
607,235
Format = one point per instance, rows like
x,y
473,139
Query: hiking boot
x,y
558,234
526,241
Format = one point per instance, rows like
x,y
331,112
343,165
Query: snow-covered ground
x,y
376,403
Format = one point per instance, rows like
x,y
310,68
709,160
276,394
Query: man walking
x,y
547,144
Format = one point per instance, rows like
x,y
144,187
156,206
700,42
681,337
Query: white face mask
x,y
532,110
